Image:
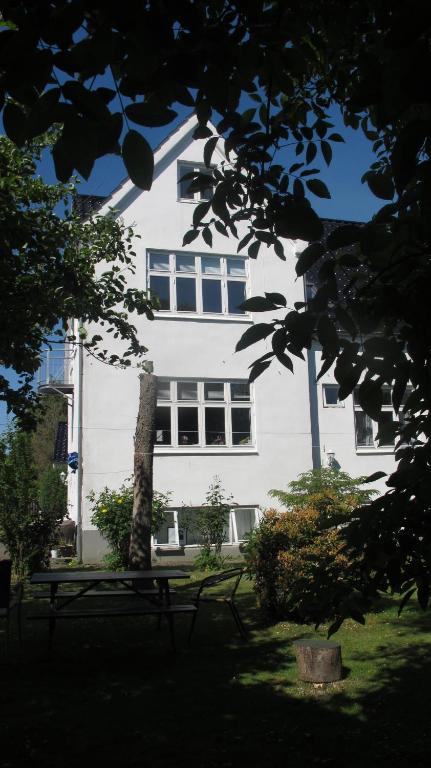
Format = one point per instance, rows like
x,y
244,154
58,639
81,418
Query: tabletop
x,y
61,577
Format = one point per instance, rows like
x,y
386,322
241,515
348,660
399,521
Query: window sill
x,y
203,318
207,451
373,451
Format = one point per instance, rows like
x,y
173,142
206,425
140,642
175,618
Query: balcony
x,y
55,371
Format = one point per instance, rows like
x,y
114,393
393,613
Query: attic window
x,y
189,188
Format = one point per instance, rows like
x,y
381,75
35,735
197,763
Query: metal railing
x,y
55,371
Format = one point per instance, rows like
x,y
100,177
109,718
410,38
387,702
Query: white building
x,y
210,422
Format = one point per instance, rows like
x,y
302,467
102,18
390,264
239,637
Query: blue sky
x,y
350,199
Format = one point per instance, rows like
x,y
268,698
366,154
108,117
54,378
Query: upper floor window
x,y
366,429
187,189
203,413
330,396
185,282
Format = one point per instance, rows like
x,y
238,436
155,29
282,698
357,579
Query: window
x,y
366,430
187,188
203,414
174,531
330,396
184,282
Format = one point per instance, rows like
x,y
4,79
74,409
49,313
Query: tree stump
x,y
319,661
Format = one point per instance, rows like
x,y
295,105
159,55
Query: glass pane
x,y
385,418
245,519
330,394
163,426
363,429
185,183
240,390
185,263
207,193
186,294
188,430
241,426
164,534
214,390
163,389
387,396
235,267
215,431
159,261
187,390
235,296
160,287
210,265
211,296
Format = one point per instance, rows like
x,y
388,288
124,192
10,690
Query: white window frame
x,y
201,405
338,404
198,276
232,525
375,447
183,167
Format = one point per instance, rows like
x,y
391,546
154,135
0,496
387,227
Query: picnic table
x,y
138,585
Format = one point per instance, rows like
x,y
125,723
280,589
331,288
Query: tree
x,y
49,273
282,67
30,511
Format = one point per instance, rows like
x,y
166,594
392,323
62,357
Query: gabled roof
x,y
171,146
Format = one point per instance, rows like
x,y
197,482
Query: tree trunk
x,y
319,661
140,538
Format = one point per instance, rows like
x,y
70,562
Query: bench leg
x,y
192,626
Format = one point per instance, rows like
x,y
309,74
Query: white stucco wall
x,y
203,348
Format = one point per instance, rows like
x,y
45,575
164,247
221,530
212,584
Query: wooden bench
x,y
102,593
145,610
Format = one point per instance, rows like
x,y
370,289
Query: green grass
x,y
112,692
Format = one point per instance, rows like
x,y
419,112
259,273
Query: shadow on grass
x,y
114,693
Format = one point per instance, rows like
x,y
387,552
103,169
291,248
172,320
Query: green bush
x,y
112,516
209,523
297,558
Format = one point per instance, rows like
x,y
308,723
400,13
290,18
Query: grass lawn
x,y
113,693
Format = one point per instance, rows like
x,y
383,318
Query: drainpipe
x,y
79,446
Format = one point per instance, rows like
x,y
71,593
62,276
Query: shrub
x,y
209,522
298,558
112,516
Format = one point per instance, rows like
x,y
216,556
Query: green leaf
x,y
336,137
254,249
191,235
150,115
254,334
318,188
14,121
139,159
279,250
381,185
207,236
308,257
277,298
326,152
311,152
245,240
200,212
258,304
257,370
209,149
375,476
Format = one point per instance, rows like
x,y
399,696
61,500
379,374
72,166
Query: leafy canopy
x,y
272,71
49,273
